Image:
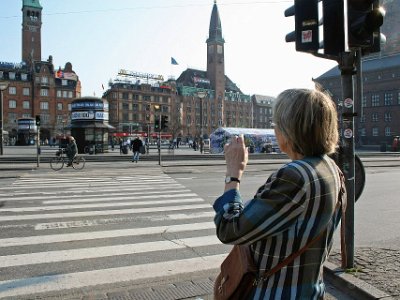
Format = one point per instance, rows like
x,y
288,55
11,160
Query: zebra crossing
x,y
71,231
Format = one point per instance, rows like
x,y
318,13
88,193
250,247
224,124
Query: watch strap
x,y
232,179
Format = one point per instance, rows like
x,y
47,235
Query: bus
x,y
26,131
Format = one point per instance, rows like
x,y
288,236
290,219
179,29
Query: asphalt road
x,y
59,204
378,203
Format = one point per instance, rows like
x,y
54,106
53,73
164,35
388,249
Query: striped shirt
x,y
296,203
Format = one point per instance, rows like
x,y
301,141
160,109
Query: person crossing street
x,y
136,144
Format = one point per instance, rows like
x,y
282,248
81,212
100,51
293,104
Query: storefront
x,y
89,124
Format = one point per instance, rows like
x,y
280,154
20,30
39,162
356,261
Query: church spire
x,y
215,30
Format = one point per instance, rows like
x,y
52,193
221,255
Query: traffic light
x,y
364,19
156,123
306,33
37,120
333,27
164,122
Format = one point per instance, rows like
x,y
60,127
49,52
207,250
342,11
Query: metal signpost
x,y
3,87
351,28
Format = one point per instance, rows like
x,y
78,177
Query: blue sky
x,y
100,37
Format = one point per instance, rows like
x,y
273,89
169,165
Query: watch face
x,y
227,179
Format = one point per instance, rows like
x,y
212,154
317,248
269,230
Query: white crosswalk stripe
x,y
59,231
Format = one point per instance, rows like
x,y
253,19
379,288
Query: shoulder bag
x,y
238,273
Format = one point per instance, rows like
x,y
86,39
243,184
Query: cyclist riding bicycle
x,y
71,150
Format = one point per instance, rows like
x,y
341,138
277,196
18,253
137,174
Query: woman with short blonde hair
x,y
298,204
308,119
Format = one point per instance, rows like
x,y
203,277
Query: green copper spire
x,y
32,3
215,31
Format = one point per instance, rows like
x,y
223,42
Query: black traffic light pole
x,y
38,141
159,141
347,68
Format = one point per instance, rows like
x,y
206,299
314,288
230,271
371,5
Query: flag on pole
x,y
173,61
102,85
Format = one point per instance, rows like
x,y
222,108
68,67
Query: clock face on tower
x,y
32,28
219,49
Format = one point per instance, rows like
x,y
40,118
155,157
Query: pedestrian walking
x,y
112,144
136,144
120,146
395,144
299,204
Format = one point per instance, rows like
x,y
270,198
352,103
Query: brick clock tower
x,y
31,31
216,63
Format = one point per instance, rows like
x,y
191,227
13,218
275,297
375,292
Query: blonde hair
x,y
308,120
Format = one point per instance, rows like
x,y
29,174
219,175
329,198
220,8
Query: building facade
x,y
262,111
35,87
378,113
196,103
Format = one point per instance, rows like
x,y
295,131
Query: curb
x,y
351,285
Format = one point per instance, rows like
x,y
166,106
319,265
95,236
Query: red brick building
x,y
36,87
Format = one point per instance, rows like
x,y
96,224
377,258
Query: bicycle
x,y
57,162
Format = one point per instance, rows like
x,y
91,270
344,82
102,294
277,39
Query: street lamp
x,y
3,87
201,95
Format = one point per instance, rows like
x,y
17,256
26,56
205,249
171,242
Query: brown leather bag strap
x,y
291,257
343,202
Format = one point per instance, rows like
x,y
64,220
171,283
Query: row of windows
x,y
375,131
375,117
265,111
388,99
145,107
44,105
44,118
12,90
12,76
131,96
65,94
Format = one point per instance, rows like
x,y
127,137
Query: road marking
x,y
84,236
110,204
97,222
79,214
205,214
113,196
78,184
106,251
49,283
79,192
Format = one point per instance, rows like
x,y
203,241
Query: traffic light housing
x,y
364,19
306,33
156,123
37,120
333,27
164,122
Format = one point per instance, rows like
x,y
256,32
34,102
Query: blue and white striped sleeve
x,y
274,208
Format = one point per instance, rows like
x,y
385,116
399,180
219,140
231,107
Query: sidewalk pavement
x,y
377,267
376,274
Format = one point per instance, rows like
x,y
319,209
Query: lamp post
x,y
3,87
157,110
201,95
